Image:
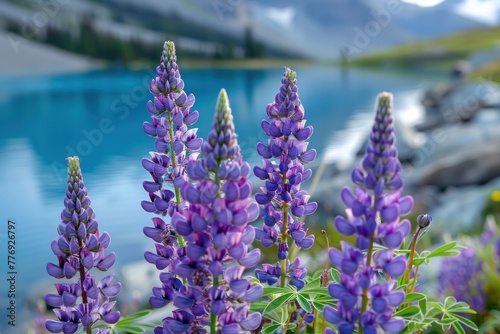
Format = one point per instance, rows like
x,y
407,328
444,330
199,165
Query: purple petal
x,y
394,325
331,315
251,259
308,156
53,300
343,226
252,321
107,262
395,298
156,302
112,317
54,326
396,267
253,294
263,151
347,197
405,205
390,214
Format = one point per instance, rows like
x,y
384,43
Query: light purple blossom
x,y
79,249
373,212
285,154
215,227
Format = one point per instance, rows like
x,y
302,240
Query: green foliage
x,y
131,324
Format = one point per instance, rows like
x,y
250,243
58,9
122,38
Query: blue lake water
x,y
99,117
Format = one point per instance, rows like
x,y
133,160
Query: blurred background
x,y
74,78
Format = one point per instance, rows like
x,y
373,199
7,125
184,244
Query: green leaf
x,y
441,249
318,305
465,321
449,302
314,284
304,303
278,302
271,329
132,317
445,321
258,305
414,296
131,329
458,328
334,273
409,311
316,291
417,261
423,305
459,306
269,290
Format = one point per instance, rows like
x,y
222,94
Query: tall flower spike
x,y
79,249
215,227
175,146
374,211
286,153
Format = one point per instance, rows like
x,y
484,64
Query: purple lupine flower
x,y
373,212
285,154
215,227
460,277
175,145
80,248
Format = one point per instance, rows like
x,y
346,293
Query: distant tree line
x,y
85,39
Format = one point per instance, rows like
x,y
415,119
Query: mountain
x,y
316,29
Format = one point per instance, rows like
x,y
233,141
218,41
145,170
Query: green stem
x,y
82,279
213,316
364,301
173,157
412,255
284,235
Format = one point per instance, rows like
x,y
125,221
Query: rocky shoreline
x,y
451,160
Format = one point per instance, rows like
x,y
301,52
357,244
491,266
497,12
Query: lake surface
x,y
99,117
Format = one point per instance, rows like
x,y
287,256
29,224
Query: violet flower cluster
x,y
283,202
171,115
460,276
373,212
176,145
79,249
215,227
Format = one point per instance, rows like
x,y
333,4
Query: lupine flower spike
x,y
175,146
373,211
79,249
215,227
284,204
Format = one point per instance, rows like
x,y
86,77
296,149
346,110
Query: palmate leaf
x,y
448,249
304,303
132,317
465,321
409,311
271,329
278,302
414,296
271,290
459,329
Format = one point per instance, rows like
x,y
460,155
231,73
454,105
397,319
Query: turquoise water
x,y
98,116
